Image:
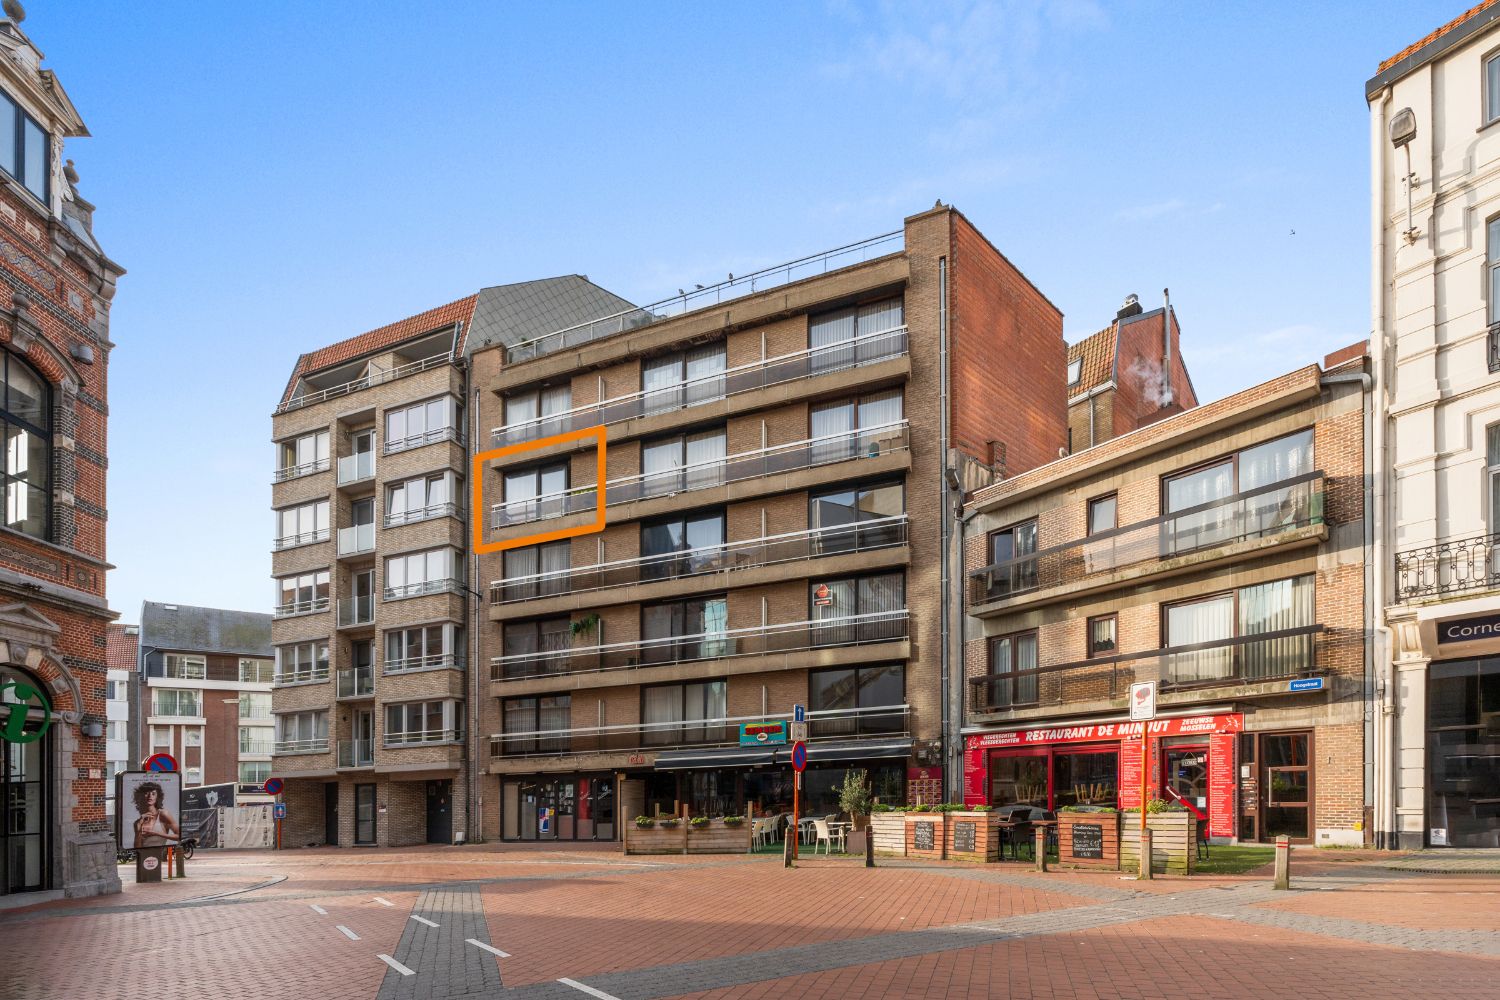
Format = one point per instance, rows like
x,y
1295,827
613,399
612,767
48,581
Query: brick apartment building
x,y
205,689
1218,551
55,289
784,453
370,553
121,742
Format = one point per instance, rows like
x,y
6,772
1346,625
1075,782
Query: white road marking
x,y
318,909
484,947
348,933
388,960
423,920
587,989
384,902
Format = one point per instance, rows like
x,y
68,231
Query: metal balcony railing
x,y
421,514
1452,566
284,473
426,437
418,738
302,675
356,753
724,291
425,587
257,747
356,468
300,607
373,379
318,745
1284,653
797,546
357,539
880,720
871,442
1494,352
306,538
356,682
846,630
413,664
1263,512
864,350
356,611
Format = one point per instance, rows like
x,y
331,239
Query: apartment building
x,y
205,687
56,284
121,651
773,461
370,549
1435,308
1218,552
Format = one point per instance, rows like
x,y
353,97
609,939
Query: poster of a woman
x,y
153,808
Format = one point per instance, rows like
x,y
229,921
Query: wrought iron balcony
x,y
865,350
356,611
797,546
1282,654
1263,512
869,442
1452,566
356,753
373,379
1494,339
356,682
846,630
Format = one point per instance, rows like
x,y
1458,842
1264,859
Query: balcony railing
x,y
724,291
846,630
864,536
881,720
418,738
1259,513
356,753
257,747
372,379
414,664
319,745
306,538
357,539
425,587
426,437
304,675
356,682
356,611
864,350
300,607
1494,339
1452,566
1285,653
286,472
869,442
356,468
421,514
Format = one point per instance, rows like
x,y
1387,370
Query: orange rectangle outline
x,y
477,491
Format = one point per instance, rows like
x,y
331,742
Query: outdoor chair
x,y
1202,825
827,836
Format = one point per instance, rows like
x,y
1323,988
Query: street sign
x,y
1143,701
278,811
1306,684
273,786
799,713
799,757
161,762
799,732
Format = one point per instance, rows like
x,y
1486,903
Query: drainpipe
x,y
474,820
1166,348
946,572
1387,769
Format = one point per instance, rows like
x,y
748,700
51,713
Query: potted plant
x,y
854,798
585,625
670,822
1173,837
698,822
644,822
734,821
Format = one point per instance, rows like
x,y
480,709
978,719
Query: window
x,y
192,738
536,492
522,567
539,647
683,462
421,498
302,525
676,713
1102,514
302,593
26,414
685,378
301,731
305,661
843,338
174,701
161,737
359,534
183,667
24,150
858,609
254,739
682,545
1012,560
1214,484
1492,472
255,705
192,776
1102,635
422,648
685,630
852,520
116,690
419,573
543,714
119,729
856,693
302,455
1075,371
254,772
421,423
1266,607
537,404
422,722
1492,89
1012,680
849,427
256,671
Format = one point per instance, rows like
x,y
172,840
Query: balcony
x,y
297,471
300,607
1447,568
846,446
319,745
355,611
356,753
356,682
848,630
799,546
306,538
356,468
1269,656
1494,339
865,350
257,748
422,514
425,587
884,720
1265,512
425,438
421,738
702,298
416,664
304,675
372,379
357,539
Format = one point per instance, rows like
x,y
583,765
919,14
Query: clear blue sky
x,y
277,176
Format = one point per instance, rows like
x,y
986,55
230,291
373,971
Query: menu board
x,y
922,837
975,774
1130,774
963,837
1221,770
1088,840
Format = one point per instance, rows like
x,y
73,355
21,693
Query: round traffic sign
x,y
161,762
799,757
273,786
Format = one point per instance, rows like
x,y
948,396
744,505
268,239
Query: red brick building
x,y
55,289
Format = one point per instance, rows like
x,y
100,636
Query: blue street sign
x,y
278,811
799,713
799,757
1306,684
273,786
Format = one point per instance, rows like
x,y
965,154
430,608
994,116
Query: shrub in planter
x,y
698,822
644,822
920,807
670,823
950,807
734,821
1159,806
981,809
882,807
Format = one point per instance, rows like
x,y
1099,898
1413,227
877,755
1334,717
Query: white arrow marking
x,y
384,902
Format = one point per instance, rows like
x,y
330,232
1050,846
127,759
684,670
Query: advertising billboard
x,y
148,808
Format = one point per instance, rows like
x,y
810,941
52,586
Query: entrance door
x,y
331,813
364,737
604,808
23,858
1185,778
1286,785
440,811
364,814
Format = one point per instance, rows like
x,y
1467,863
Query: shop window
x,y
1086,778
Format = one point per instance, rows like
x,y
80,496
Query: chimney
x,y
1132,307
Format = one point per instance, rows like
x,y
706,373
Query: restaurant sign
x,y
1191,725
1469,629
759,734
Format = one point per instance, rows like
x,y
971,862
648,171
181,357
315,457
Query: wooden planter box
x,y
889,831
972,836
926,835
1174,846
655,839
1091,839
715,838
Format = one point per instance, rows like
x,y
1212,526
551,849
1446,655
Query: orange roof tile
x,y
119,648
1439,33
1098,353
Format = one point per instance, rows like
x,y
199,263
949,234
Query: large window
x,y
1012,680
858,609
254,772
176,702
255,740
678,713
422,648
696,540
27,416
537,404
1492,90
298,732
1266,607
857,693
537,570
862,517
697,625
421,498
683,462
423,722
184,666
1014,573
1492,472
302,593
525,490
542,714
685,378
539,647
302,525
421,423
419,573
1256,467
832,336
304,661
847,427
1463,776
255,705
302,455
24,148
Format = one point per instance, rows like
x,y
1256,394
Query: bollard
x,y
181,863
870,846
1283,863
1146,854
1041,848
786,849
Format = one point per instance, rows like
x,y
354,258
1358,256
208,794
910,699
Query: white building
x,y
122,644
1435,302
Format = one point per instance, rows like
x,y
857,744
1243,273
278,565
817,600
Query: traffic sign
x,y
161,762
273,786
1143,701
278,811
799,757
798,732
799,713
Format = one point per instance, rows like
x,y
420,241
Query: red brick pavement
x,y
1444,902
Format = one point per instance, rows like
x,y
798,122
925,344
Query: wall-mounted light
x,y
93,729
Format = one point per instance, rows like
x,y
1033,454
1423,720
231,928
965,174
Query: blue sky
x,y
279,176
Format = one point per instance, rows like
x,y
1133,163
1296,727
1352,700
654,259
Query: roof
x,y
204,630
523,310
1424,50
1098,354
120,647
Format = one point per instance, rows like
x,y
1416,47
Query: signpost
x,y
1143,710
799,764
1306,684
273,786
161,762
799,732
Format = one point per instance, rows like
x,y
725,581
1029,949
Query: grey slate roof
x,y
510,314
204,630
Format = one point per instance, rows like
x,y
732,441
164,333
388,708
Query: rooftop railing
x,y
373,379
865,350
1452,566
869,442
701,298
1262,512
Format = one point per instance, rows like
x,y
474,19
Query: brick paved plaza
x,y
481,922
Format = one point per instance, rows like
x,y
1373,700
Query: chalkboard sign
x,y
1088,840
922,837
963,837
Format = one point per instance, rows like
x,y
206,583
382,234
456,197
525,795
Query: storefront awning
x,y
817,753
828,753
679,760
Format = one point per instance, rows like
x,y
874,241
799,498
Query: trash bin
x,y
149,862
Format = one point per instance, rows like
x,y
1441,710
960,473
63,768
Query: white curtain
x,y
1201,621
1274,607
1207,527
877,317
705,458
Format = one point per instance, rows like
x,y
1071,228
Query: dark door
x,y
364,814
1185,778
440,812
23,814
331,813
